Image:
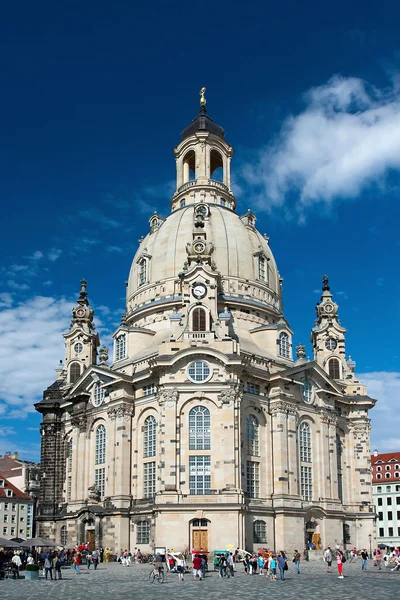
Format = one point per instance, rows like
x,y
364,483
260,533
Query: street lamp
x,y
370,545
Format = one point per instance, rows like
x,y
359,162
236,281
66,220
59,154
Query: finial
x,y
123,319
202,99
301,351
325,284
83,293
103,355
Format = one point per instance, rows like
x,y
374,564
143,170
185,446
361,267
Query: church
x,y
205,428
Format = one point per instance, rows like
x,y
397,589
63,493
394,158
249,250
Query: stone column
x,y
79,422
280,451
169,467
121,416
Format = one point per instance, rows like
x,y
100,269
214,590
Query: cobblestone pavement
x,y
115,582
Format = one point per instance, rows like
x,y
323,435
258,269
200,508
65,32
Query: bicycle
x,y
157,573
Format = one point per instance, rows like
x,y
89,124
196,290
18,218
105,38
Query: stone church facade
x,y
203,430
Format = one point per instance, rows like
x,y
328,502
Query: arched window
x,y
100,445
149,437
307,391
74,372
189,166
142,271
339,453
216,166
305,460
261,268
259,532
143,532
252,439
222,201
63,535
120,347
379,476
182,203
100,459
199,428
98,394
334,368
379,489
69,456
199,319
284,346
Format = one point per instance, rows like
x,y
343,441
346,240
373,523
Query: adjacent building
x,y
205,428
16,511
386,495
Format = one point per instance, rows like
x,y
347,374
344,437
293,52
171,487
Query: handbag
x,y
285,568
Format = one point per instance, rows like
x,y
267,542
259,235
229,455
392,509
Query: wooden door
x,y
90,539
200,539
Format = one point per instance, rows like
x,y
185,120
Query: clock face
x,y
328,308
199,290
80,312
199,247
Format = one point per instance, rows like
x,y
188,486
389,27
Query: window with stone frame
x,y
259,532
149,437
199,319
69,456
100,459
142,271
284,345
339,454
306,478
63,535
149,479
262,267
143,532
199,428
74,372
199,475
253,479
252,435
120,347
334,368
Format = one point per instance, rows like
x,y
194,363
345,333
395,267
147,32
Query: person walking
x,y
197,567
296,560
56,566
222,566
180,567
328,559
378,558
107,555
364,558
77,562
95,559
88,559
16,565
231,564
282,564
48,567
340,559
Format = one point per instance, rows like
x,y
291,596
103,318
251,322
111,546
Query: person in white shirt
x,y
180,566
30,560
16,561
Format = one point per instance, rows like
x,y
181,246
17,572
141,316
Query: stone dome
x,y
236,248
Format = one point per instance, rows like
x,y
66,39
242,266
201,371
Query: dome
x,y
236,248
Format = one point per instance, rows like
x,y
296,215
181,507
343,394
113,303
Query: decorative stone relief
x,y
79,422
328,421
123,412
167,397
284,410
228,395
361,430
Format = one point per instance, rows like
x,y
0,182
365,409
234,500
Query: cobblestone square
x,y
119,583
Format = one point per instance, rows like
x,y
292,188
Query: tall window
x,y
120,347
305,460
259,532
142,271
149,479
69,488
284,346
334,368
199,475
99,394
100,459
261,268
253,479
63,535
69,456
74,372
143,532
199,320
149,437
252,440
339,452
199,428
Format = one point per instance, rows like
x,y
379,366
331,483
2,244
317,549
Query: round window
x,y
331,344
78,347
307,391
199,371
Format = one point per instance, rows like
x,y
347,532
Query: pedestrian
x,y
101,553
328,559
246,564
30,560
56,562
95,559
260,561
364,558
378,558
296,560
231,564
340,559
282,564
107,555
16,565
222,566
180,567
197,567
48,567
77,562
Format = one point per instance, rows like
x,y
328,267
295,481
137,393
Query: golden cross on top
x,y
202,99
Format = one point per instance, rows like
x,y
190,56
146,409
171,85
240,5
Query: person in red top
x,y
197,567
77,562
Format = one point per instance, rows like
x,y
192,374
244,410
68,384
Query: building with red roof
x,y
16,511
386,496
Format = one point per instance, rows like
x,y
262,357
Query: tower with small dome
x,y
202,429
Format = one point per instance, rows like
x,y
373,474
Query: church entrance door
x,y
90,539
200,539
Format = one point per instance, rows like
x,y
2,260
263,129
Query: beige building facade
x,y
203,429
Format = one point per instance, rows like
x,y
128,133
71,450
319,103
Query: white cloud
x,y
114,249
31,344
54,254
5,300
36,255
14,285
385,417
346,139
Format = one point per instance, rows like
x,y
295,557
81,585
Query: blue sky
x,y
94,97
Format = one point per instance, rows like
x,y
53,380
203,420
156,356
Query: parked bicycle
x,y
157,573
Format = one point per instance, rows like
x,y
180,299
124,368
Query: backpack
x,y
343,558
